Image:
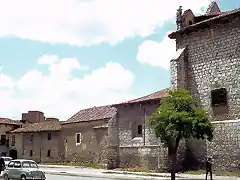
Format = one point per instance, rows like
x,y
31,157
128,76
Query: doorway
x,y
13,153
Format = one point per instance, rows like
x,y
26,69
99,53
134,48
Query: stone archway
x,y
13,153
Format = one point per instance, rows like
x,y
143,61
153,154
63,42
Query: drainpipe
x,y
144,126
41,148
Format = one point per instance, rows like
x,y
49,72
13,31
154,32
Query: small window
x,y
13,140
31,137
31,153
219,97
78,138
4,154
49,136
190,23
17,164
3,139
49,153
139,130
11,164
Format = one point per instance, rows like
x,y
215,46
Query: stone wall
x,y
93,146
143,151
225,146
213,61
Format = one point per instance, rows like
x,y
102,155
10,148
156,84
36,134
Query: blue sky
x,y
78,54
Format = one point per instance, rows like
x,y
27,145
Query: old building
x,y
131,141
207,64
38,138
86,135
7,125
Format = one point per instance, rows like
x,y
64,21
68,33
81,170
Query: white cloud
x,y
57,93
87,22
157,53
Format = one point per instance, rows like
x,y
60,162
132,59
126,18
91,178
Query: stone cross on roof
x,y
179,18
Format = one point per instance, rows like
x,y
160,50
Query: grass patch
x,y
90,165
137,174
217,173
138,169
199,172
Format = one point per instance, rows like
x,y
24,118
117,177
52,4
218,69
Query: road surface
x,y
58,177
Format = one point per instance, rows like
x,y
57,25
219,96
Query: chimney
x,y
35,116
24,116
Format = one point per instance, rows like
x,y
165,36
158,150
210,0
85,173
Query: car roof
x,y
23,160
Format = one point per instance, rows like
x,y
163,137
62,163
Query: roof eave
x,y
203,25
33,131
138,102
74,122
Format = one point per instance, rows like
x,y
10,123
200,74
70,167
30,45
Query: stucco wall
x,y
18,145
93,142
4,128
40,146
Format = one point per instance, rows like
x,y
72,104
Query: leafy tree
x,y
178,117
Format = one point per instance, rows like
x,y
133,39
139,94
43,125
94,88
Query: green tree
x,y
178,117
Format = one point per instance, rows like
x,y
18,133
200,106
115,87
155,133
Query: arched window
x,y
190,23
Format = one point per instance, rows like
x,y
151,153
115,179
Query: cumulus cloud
x,y
58,93
157,53
87,22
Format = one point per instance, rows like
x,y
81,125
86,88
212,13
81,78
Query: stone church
x,y
207,63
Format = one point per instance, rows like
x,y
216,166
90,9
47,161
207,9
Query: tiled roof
x,y
39,127
91,114
154,96
198,24
9,121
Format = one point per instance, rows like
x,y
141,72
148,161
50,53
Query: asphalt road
x,y
58,177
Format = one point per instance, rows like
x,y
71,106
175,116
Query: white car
x,y
6,160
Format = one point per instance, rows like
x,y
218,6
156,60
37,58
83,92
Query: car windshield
x,y
29,164
7,158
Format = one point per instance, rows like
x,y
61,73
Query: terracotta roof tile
x,y
91,114
9,121
154,96
198,24
39,127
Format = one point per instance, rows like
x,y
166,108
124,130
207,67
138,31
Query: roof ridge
x,y
163,89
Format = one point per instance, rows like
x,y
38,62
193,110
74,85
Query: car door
x,y
17,170
10,169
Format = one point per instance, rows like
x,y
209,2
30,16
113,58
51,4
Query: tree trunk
x,y
173,165
173,157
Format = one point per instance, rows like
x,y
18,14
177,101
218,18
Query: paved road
x,y
58,177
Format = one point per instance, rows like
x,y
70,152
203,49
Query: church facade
x,y
207,63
